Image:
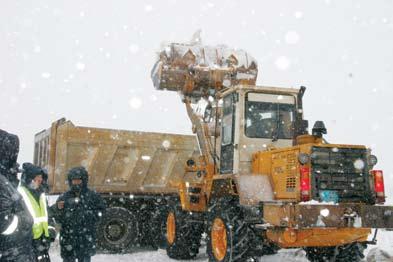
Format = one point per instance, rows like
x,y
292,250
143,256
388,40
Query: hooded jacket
x,y
79,217
15,220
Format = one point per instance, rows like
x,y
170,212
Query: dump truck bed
x,y
118,161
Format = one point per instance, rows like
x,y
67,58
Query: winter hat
x,y
78,173
29,172
9,149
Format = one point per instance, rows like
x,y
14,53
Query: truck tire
x,y
228,235
183,236
158,228
117,230
346,253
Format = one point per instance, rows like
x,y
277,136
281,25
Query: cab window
x,y
269,119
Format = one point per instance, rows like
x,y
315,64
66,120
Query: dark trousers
x,y
43,257
79,259
41,248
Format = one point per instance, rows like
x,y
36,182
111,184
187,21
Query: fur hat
x,y
78,173
29,172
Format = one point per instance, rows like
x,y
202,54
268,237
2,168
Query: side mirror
x,y
301,127
304,126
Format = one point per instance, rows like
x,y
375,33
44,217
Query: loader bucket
x,y
198,71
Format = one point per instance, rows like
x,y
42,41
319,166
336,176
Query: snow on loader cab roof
x,y
252,178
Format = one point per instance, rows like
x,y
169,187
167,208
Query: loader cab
x,y
255,119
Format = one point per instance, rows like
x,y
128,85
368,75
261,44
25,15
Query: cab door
x,y
228,134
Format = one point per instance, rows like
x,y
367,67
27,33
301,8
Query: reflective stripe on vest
x,y
12,227
38,211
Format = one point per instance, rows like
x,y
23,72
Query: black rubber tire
x,y
117,230
188,234
259,246
351,253
148,227
158,228
238,232
319,254
346,253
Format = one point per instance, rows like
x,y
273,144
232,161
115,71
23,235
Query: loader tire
x,y
228,236
346,253
259,246
183,236
117,230
351,253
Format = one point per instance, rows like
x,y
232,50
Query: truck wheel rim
x,y
170,228
219,239
115,230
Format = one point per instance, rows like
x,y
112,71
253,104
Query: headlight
x,y
303,158
372,160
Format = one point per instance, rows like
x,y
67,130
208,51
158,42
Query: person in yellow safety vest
x,y
34,197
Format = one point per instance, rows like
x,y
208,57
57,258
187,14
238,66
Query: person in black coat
x,y
15,220
78,212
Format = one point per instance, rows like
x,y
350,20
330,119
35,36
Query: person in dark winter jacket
x,y
33,193
15,219
78,212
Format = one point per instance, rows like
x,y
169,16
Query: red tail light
x,y
379,185
304,183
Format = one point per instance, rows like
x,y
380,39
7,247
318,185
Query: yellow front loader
x,y
266,183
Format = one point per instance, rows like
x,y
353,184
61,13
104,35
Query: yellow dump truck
x,y
253,178
133,171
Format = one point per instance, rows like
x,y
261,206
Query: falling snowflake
x,y
80,66
153,98
166,144
292,37
325,212
45,75
298,14
134,48
282,63
148,8
226,82
37,49
358,164
135,102
146,158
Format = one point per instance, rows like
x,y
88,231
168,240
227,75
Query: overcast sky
x,y
90,61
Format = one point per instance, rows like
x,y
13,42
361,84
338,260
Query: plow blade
x,y
330,216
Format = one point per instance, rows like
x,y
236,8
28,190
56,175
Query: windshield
x,y
269,120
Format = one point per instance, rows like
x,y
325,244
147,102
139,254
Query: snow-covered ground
x,y
383,252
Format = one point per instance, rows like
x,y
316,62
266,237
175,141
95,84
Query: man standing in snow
x,y
15,220
78,211
34,197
